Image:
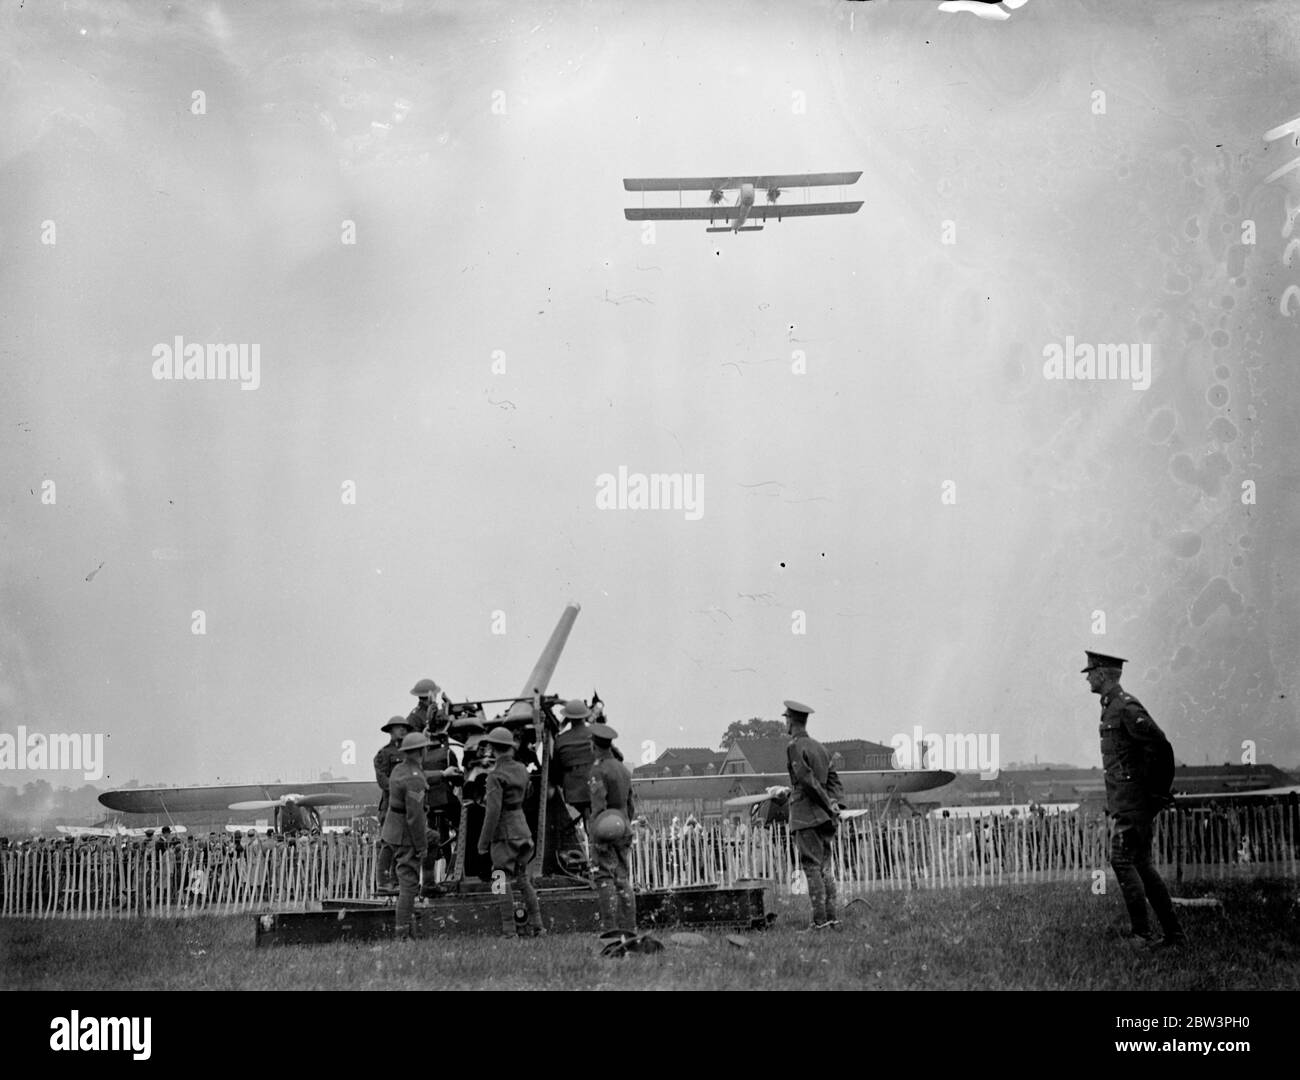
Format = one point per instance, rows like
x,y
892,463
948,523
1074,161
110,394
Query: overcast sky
x,y
479,151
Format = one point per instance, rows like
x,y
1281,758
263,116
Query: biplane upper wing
x,y
712,183
729,213
731,785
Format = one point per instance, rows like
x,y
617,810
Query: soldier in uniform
x,y
611,795
440,801
815,792
573,755
404,827
389,756
1138,763
505,832
426,707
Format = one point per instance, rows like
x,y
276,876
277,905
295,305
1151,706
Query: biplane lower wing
x,y
733,785
717,183
730,213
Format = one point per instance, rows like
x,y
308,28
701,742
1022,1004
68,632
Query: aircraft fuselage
x,y
744,203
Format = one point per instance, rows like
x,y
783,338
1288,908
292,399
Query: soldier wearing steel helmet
x,y
505,834
1138,763
388,758
440,800
612,810
815,792
427,710
573,756
404,827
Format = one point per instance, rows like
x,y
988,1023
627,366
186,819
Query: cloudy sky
x,y
886,466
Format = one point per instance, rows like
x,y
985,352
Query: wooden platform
x,y
567,910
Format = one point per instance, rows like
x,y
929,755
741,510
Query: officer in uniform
x,y
573,755
610,785
426,707
389,756
1137,761
404,827
505,833
815,792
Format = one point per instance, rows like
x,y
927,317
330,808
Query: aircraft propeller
x,y
753,800
773,193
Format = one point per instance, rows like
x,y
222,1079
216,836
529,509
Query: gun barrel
x,y
545,666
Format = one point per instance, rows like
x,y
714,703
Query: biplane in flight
x,y
743,208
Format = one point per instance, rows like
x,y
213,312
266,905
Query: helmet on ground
x,y
610,825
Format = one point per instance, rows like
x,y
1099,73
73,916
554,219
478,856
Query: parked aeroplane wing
x,y
205,799
732,785
1293,789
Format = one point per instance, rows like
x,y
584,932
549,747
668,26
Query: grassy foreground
x,y
1033,937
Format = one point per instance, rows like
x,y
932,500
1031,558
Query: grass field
x,y
1032,937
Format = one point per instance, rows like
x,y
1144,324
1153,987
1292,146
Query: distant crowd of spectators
x,y
169,869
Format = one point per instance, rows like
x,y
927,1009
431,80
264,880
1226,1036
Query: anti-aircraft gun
x,y
465,902
530,719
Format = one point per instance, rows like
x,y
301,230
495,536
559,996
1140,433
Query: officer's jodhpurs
x,y
814,846
1130,857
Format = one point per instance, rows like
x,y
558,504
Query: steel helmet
x,y
609,826
500,736
576,710
425,688
395,721
414,740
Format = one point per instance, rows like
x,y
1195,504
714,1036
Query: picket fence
x,y
111,878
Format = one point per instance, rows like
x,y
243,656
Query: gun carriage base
x,y
475,911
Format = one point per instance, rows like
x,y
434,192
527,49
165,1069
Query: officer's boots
x,y
817,896
1158,894
387,884
829,883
